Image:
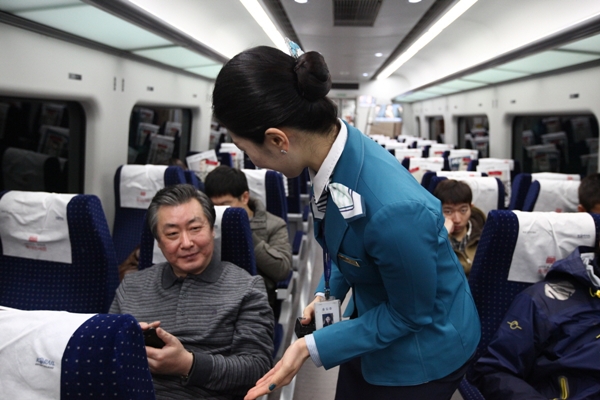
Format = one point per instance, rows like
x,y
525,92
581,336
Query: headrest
x,y
418,166
157,255
555,176
438,149
23,169
545,237
139,184
34,225
459,159
401,154
459,174
31,354
256,183
237,155
202,163
557,195
498,168
395,145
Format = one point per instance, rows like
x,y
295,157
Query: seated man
x,y
214,317
464,221
228,186
589,194
547,345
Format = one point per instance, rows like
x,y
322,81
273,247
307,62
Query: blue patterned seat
x,y
556,195
519,189
87,285
492,291
106,357
127,228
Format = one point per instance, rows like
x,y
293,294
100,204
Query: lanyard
x,y
326,262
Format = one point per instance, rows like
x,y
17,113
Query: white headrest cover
x,y
545,237
555,175
139,184
256,183
34,225
23,169
557,195
32,351
485,192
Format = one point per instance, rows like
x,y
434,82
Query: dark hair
x,y
174,196
589,191
264,88
225,180
451,191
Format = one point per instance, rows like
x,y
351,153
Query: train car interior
x,y
103,103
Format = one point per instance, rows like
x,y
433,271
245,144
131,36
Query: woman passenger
x,y
415,326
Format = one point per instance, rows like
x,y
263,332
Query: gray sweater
x,y
222,315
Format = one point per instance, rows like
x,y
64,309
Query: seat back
x,y
233,237
552,195
134,187
31,171
120,367
488,192
497,254
192,179
268,187
519,189
68,261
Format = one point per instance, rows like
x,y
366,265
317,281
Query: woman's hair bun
x,y
314,80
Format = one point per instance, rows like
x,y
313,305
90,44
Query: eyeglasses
x,y
463,210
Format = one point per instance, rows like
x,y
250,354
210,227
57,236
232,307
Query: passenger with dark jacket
x,y
227,186
548,344
464,221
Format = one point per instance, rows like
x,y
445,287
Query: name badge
x,y
327,313
348,260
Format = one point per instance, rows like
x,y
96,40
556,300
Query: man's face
x,y
459,214
185,237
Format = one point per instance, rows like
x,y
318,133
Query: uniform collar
x,y
321,178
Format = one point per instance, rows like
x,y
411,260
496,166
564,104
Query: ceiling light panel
x,y
94,24
208,71
459,84
591,44
176,56
548,61
494,76
13,6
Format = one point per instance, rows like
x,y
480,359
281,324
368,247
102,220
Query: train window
x,y
42,145
436,129
558,143
473,134
158,135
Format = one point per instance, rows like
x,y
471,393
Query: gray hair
x,y
174,196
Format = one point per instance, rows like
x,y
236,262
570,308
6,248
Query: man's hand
x,y
449,225
172,359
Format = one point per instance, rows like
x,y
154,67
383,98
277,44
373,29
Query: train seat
x,y
268,187
31,171
501,168
81,356
57,253
552,195
192,179
233,240
488,192
418,166
134,187
522,182
502,266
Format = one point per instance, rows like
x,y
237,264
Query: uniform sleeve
x,y
402,239
274,256
252,347
502,371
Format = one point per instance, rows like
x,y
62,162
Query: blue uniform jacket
x,y
417,321
548,344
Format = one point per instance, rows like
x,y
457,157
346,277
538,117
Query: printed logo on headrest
x,y
44,362
559,291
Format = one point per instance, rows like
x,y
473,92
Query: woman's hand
x,y
283,372
309,312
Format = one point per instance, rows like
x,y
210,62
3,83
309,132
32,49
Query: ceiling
x,y
198,36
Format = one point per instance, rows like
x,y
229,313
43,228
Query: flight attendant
x,y
415,327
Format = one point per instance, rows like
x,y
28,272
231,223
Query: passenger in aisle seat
x,y
589,194
464,221
547,345
226,186
416,326
213,317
